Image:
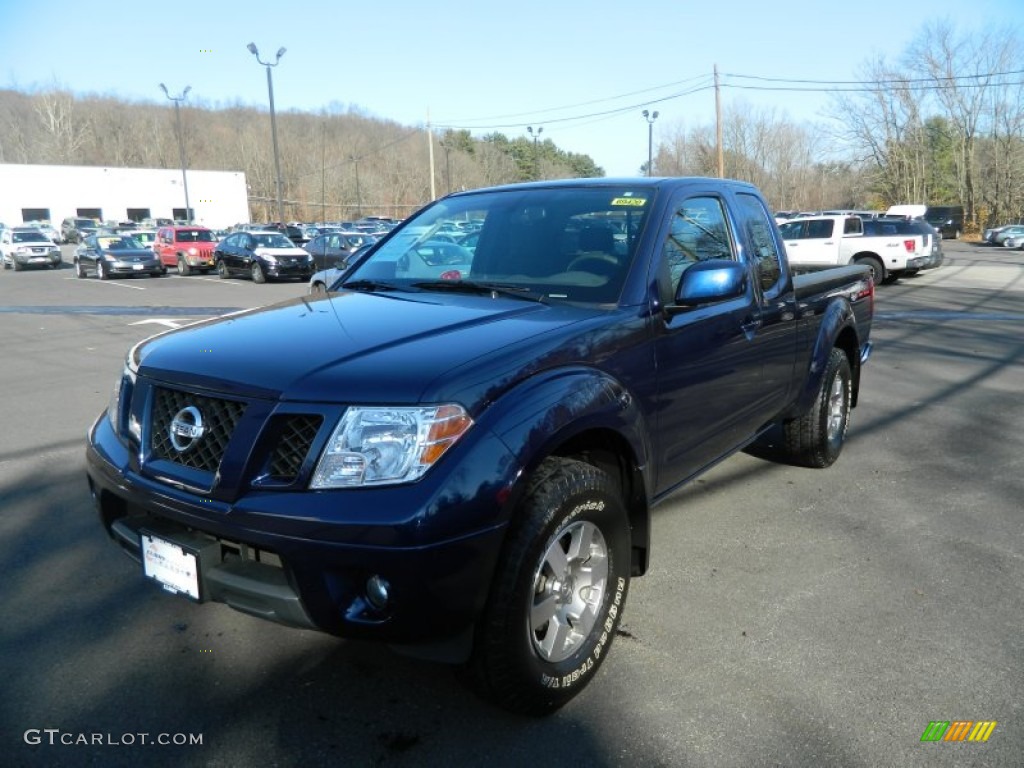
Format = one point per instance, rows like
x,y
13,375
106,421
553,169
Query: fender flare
x,y
583,412
838,321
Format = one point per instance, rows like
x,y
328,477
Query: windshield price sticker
x,y
636,202
170,565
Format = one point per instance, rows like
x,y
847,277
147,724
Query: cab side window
x,y
819,229
765,255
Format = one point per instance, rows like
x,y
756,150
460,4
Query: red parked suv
x,y
187,248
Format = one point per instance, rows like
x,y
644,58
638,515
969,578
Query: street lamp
x,y
181,142
273,122
536,158
650,117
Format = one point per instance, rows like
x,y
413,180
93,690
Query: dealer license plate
x,y
138,267
174,568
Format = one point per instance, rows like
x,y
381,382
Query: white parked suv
x,y
814,242
23,247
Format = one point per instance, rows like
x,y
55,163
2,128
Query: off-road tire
x,y
816,438
558,593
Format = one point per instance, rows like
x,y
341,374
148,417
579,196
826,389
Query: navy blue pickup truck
x,y
456,449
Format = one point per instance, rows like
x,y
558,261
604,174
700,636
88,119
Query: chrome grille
x,y
220,417
293,444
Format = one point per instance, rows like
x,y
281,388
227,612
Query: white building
x,y
53,192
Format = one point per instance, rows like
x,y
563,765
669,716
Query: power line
x,y
893,81
800,85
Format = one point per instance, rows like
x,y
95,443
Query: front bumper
x,y
48,259
123,268
305,558
202,261
285,271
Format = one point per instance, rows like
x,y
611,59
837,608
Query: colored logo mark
x,y
958,730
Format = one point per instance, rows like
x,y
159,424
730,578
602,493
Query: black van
x,y
948,219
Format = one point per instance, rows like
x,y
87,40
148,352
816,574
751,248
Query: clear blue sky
x,y
479,65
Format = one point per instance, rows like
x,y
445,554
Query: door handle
x,y
750,327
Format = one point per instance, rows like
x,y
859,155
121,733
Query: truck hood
x,y
353,347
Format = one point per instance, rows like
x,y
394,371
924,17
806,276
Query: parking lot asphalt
x,y
791,617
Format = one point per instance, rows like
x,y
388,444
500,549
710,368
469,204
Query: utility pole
x,y
718,127
430,146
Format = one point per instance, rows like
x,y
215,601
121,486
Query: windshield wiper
x,y
473,286
369,285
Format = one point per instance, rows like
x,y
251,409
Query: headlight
x,y
193,251
381,446
269,258
120,399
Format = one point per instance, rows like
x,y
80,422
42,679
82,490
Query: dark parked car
x,y
109,256
76,228
948,219
327,279
262,256
334,247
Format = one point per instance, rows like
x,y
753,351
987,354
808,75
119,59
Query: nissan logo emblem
x,y
186,428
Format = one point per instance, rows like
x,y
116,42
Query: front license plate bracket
x,y
176,562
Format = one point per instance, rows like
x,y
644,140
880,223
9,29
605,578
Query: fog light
x,y
377,589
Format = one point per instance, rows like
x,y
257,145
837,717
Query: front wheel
x,y
816,438
257,273
222,270
183,268
101,270
559,590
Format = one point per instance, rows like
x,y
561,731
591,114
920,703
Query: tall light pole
x,y
273,121
181,142
650,117
536,158
359,197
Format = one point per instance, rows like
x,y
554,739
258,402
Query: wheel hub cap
x,y
569,587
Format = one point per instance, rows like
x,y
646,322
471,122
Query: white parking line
x,y
112,282
211,280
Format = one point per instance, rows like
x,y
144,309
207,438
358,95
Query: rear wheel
x,y
816,438
80,270
558,593
875,265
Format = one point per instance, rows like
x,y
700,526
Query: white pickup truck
x,y
830,241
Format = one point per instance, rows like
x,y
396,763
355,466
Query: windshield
x,y
270,240
120,244
570,243
194,236
29,237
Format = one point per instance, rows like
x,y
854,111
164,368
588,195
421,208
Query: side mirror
x,y
710,281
